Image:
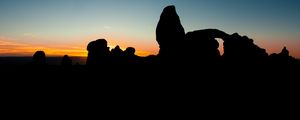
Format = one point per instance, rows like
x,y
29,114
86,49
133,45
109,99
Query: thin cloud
x,y
107,27
31,35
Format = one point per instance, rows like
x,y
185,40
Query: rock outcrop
x,y
283,58
116,55
241,49
170,35
66,61
39,58
237,49
203,47
129,56
98,53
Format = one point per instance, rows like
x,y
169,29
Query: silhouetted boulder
x,y
98,53
170,35
130,51
117,51
285,52
203,47
129,56
283,58
39,58
66,61
117,55
241,49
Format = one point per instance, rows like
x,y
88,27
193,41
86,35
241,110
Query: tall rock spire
x,y
170,34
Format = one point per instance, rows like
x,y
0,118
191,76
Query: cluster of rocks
x,y
201,46
99,54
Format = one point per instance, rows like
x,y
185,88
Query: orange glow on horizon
x,y
277,45
8,48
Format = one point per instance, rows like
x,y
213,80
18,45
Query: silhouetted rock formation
x,y
130,51
241,49
129,56
117,55
66,61
203,47
98,52
283,58
170,35
39,58
198,47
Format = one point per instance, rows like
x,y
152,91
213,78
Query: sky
x,y
66,26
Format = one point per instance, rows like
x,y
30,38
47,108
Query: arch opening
x,y
221,45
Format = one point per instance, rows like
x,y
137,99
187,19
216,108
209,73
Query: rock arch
x,y
237,49
203,46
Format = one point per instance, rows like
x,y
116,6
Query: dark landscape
x,y
203,59
192,57
189,69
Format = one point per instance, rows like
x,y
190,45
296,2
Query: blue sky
x,y
73,23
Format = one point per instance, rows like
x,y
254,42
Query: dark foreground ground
x,y
150,90
151,76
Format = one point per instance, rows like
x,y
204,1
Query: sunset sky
x,y
66,26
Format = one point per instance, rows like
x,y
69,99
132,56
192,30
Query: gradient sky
x,y
67,26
